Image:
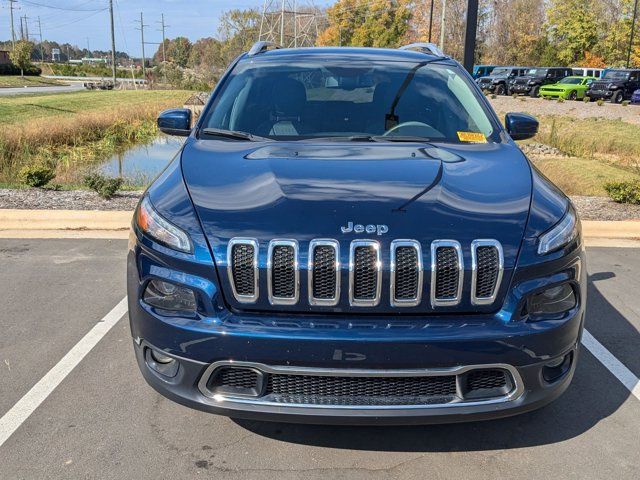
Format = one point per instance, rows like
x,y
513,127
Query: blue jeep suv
x,y
350,236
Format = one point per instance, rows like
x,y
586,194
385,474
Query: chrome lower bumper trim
x,y
239,401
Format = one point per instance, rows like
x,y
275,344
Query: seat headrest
x,y
289,97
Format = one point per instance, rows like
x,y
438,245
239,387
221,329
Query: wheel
x,y
573,95
501,89
534,92
617,97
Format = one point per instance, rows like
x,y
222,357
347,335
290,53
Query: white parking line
x,y
11,420
16,416
615,366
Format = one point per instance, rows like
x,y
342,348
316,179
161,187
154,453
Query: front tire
x,y
573,95
534,93
501,89
617,97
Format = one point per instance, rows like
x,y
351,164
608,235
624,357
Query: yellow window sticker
x,y
474,137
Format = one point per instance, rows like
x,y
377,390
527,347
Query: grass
x,y
73,131
16,81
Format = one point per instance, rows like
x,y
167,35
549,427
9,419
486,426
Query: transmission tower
x,y
290,23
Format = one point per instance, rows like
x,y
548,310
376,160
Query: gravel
x,y
590,208
576,109
39,199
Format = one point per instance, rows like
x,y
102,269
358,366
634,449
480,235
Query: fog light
x,y
552,301
168,296
161,363
557,368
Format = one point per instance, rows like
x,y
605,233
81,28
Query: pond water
x,y
140,164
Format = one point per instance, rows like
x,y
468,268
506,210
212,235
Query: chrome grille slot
x,y
487,265
406,273
324,272
365,273
283,272
242,265
446,272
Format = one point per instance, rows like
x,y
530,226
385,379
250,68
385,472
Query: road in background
x,y
103,421
5,92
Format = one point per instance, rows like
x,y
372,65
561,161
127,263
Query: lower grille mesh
x,y
448,275
369,387
482,379
237,377
365,276
243,269
488,269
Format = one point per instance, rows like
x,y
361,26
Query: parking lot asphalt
x,y
103,421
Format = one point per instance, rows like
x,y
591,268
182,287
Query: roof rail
x,y
261,46
424,47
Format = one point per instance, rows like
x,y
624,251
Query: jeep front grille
x,y
365,273
406,271
487,264
242,260
283,272
324,272
446,272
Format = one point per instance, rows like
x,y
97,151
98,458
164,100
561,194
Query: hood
x,y
494,77
304,191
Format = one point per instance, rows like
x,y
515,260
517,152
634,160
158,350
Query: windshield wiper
x,y
401,138
233,134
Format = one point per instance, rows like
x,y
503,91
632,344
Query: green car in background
x,y
569,88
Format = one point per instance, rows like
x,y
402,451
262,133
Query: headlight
x,y
168,296
611,86
563,233
162,231
552,301
532,82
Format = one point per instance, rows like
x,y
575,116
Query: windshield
x,y
571,81
500,72
285,100
616,75
538,72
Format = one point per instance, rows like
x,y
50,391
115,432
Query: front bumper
x,y
599,94
517,88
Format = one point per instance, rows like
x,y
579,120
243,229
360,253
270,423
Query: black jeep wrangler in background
x,y
500,79
615,85
534,78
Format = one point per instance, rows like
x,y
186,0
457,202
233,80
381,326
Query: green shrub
x,y
626,103
586,99
494,96
624,192
36,175
600,102
515,95
560,100
106,187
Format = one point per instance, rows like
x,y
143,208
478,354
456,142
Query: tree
x,y
21,55
178,51
367,23
238,30
572,29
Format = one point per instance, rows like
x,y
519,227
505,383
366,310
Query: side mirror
x,y
521,126
176,121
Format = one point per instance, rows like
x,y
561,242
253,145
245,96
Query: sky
x,y
74,21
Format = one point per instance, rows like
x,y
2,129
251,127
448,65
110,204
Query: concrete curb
x,y
115,224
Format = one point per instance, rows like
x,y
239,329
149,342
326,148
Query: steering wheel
x,y
408,124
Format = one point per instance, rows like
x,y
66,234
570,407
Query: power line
x,y
66,9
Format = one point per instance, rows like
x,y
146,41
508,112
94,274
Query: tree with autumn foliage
x,y
367,23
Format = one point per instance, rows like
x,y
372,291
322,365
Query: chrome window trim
x,y
256,292
323,242
273,300
354,302
474,270
447,302
221,400
405,302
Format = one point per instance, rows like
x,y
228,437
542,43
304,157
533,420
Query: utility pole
x,y
164,53
470,35
142,25
26,28
113,44
88,46
444,8
41,49
633,25
430,20
13,32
